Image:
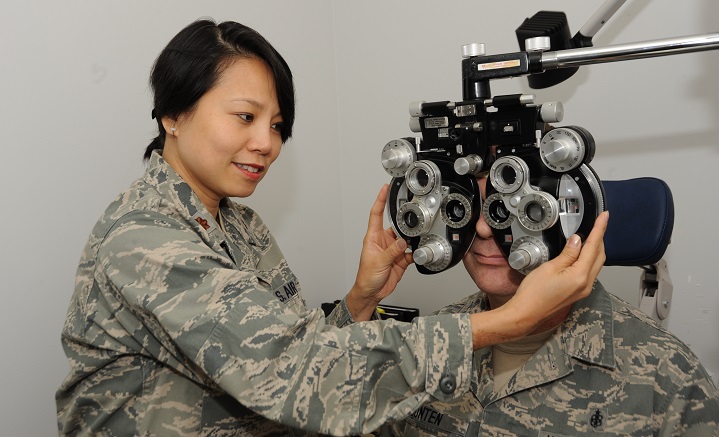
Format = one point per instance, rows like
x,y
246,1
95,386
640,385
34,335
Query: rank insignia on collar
x,y
203,223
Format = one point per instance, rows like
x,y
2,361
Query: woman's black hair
x,y
191,63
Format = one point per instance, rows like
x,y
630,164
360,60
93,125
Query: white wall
x,y
75,118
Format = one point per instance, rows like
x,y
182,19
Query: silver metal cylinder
x,y
624,52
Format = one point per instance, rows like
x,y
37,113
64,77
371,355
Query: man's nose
x,y
483,229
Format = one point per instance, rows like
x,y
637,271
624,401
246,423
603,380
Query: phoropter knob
x,y
538,44
551,112
470,164
566,148
426,254
474,49
397,156
527,253
434,254
526,256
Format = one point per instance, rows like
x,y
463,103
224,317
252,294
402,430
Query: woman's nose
x,y
261,140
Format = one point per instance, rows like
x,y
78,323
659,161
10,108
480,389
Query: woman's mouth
x,y
253,172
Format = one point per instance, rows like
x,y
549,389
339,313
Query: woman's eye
x,y
278,126
246,117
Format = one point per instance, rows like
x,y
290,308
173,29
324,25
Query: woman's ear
x,y
170,125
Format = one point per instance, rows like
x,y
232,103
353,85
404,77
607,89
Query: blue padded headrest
x,y
641,220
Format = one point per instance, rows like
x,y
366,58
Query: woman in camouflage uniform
x,y
186,319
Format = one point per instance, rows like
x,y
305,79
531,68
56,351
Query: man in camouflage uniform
x,y
607,370
236,352
603,368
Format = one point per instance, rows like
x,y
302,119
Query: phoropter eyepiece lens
x,y
508,174
498,211
421,177
534,212
455,210
410,219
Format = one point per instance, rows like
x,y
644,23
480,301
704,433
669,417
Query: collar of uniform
x,y
170,185
165,179
587,335
588,331
246,222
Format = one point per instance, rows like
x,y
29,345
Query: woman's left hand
x,y
382,263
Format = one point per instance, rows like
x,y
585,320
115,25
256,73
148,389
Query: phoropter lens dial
x,y
422,177
456,210
538,211
508,174
413,219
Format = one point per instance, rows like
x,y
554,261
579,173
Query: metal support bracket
x,y
655,291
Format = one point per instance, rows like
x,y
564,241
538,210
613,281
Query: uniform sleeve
x,y
291,367
341,316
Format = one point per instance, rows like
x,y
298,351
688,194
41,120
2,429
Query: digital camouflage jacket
x,y
608,370
178,329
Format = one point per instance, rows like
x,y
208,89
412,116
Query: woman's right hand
x,y
383,261
547,290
